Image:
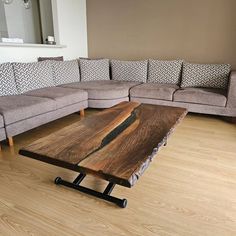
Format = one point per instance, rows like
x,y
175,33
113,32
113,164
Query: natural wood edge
x,y
82,113
138,172
10,141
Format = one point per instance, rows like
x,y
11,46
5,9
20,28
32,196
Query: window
x,y
26,21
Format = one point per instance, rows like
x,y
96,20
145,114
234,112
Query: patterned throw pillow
x,y
65,72
135,71
164,72
7,80
205,75
34,75
94,69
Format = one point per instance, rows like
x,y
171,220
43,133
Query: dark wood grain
x,y
116,144
68,146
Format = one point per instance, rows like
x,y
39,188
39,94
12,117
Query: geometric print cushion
x,y
94,69
205,75
34,75
65,72
135,71
164,72
7,80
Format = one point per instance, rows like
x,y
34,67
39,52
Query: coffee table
x,y
116,144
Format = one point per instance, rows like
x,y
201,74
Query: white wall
x,y
70,29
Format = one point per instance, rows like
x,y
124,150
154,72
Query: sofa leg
x,y
81,113
10,141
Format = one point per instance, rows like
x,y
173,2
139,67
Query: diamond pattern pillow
x,y
135,71
94,69
205,75
7,80
164,72
65,72
34,75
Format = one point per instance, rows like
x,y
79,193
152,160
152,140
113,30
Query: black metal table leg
x,y
105,195
109,188
79,179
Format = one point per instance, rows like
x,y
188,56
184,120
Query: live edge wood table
x,y
116,144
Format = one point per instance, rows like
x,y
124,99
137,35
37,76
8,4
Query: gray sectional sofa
x,y
30,97
201,88
32,94
104,93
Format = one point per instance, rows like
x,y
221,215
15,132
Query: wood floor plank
x,y
189,190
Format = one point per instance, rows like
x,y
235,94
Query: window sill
x,y
31,45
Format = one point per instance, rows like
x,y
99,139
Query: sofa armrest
x,y
231,101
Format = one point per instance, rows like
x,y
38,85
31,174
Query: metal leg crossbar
x,y
105,195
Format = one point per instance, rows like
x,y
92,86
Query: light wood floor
x,y
189,189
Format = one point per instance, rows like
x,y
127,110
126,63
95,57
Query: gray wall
x,y
3,23
46,18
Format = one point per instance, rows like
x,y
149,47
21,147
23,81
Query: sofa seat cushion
x,y
2,134
62,96
104,89
19,107
1,121
154,91
213,97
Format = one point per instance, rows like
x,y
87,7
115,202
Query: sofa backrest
x,y
34,75
17,78
164,72
134,71
7,80
59,58
65,72
92,70
205,75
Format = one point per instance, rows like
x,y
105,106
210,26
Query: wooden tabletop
x,y
116,144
